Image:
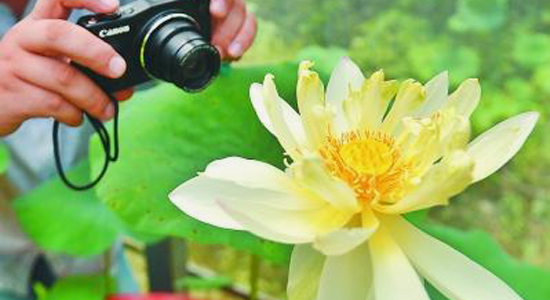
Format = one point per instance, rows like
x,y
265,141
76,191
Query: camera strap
x,y
111,150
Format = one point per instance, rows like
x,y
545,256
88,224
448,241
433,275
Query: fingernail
x,y
235,50
218,7
109,112
117,66
109,5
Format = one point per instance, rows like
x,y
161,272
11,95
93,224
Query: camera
x,y
159,39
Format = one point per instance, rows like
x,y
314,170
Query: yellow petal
x,y
304,273
311,173
498,145
347,277
394,277
285,122
342,241
444,180
455,131
420,141
365,107
369,219
410,96
311,103
437,90
466,98
452,273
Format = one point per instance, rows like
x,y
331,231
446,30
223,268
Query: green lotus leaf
x,y
77,288
479,246
61,220
4,158
168,136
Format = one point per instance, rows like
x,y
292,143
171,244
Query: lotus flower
x,y
361,154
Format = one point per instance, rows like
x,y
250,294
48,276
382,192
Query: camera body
x,y
163,39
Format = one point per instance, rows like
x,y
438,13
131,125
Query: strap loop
x,y
105,142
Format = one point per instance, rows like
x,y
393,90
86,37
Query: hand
x,y
234,28
36,78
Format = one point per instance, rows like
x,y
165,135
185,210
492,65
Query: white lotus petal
x,y
304,273
498,145
466,98
249,173
312,174
197,198
347,277
437,90
394,277
345,75
290,116
452,273
342,241
258,102
285,122
269,219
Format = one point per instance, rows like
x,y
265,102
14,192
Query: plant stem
x,y
255,266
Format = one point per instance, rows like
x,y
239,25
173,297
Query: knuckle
x,y
240,6
103,57
98,103
66,75
53,30
53,103
74,119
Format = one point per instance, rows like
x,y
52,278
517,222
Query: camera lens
x,y
173,50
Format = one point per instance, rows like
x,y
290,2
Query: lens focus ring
x,y
174,50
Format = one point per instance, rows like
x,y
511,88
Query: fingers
x,y
227,28
65,81
220,8
59,9
244,38
60,38
38,103
124,94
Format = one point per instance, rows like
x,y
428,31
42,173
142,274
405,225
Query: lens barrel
x,y
174,50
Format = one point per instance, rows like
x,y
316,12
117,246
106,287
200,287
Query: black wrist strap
x,y
111,150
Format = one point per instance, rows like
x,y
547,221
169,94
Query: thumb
x,y
60,9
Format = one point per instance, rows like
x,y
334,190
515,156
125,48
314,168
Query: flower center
x,y
370,163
